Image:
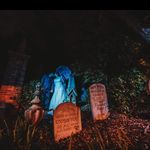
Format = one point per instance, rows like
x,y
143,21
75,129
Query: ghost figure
x,y
63,71
57,88
69,83
59,96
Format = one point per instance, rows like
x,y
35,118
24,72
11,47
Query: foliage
x,y
88,74
119,131
84,77
27,94
126,90
20,135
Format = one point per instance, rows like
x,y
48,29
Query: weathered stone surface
x,y
99,103
67,120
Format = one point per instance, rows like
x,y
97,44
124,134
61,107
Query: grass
x,y
21,135
102,135
70,140
90,146
100,139
123,140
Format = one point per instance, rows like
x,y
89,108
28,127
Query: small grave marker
x,y
99,103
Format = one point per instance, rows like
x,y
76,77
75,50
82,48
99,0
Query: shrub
x,y
86,76
27,94
89,74
126,90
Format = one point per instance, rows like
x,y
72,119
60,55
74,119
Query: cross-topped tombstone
x,y
67,120
99,103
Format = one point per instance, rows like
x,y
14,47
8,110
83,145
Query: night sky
x,y
59,37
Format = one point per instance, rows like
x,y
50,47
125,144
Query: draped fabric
x,y
58,88
47,89
66,73
63,71
59,94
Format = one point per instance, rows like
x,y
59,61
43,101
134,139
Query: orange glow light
x,y
9,94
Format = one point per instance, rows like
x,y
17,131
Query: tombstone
x,y
67,120
99,103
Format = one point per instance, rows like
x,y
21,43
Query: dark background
x,y
63,37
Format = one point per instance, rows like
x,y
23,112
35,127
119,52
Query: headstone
x,y
99,103
67,120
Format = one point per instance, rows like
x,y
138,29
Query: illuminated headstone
x,y
99,103
67,120
9,93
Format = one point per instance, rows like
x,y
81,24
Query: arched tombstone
x,y
99,103
67,120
